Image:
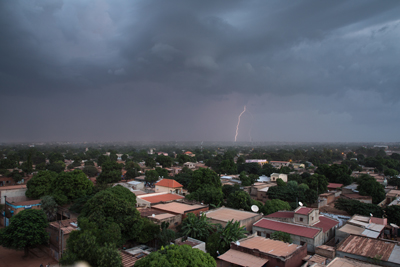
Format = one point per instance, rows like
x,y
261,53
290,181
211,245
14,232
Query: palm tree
x,y
197,227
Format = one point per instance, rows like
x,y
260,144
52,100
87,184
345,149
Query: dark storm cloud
x,y
209,53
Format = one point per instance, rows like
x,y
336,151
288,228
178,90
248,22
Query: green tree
x,y
197,227
26,229
352,207
41,184
220,240
369,186
175,255
131,173
118,205
203,177
317,182
109,177
27,165
274,205
16,176
162,172
166,235
239,200
103,159
69,186
207,194
228,189
184,177
280,182
164,161
151,176
150,162
58,166
393,214
90,171
227,166
391,172
336,173
282,236
50,207
148,232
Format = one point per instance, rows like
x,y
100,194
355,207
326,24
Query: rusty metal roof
x,y
290,228
242,259
270,246
367,247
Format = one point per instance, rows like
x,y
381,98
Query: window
x,y
258,233
302,243
312,218
301,219
267,235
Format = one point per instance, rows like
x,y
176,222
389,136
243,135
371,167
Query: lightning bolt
x,y
237,126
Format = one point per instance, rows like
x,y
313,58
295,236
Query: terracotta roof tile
x,y
163,197
270,246
169,183
288,228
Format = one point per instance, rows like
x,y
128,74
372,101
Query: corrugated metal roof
x,y
281,214
270,246
304,210
242,259
367,247
326,223
333,185
292,229
370,233
351,229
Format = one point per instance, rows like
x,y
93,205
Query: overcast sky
x,y
184,70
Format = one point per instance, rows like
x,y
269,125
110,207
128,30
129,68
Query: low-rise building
x,y
258,161
383,252
190,165
59,232
259,251
148,200
276,176
362,225
279,164
346,262
181,208
317,229
334,186
12,191
160,216
169,186
194,243
223,215
358,197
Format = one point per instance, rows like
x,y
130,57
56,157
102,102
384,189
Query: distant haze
x,y
324,71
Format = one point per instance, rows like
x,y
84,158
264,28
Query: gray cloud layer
x,y
182,70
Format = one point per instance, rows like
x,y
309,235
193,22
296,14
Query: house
x,y
181,208
154,198
258,191
297,166
190,154
4,181
279,164
258,161
392,195
362,225
305,224
330,197
59,233
136,185
169,186
160,216
130,256
282,176
14,207
194,243
334,186
223,215
350,189
190,165
162,153
259,251
367,249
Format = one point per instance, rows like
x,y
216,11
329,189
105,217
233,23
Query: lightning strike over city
x,y
237,126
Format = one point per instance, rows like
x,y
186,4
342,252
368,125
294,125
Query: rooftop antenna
x,y
301,204
237,243
254,208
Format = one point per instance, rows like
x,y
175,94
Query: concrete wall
x,y
362,258
160,189
20,192
328,253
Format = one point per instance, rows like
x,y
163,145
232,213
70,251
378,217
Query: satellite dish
x,y
237,243
153,215
371,215
254,208
301,204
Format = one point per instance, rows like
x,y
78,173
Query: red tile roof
x,y
326,223
287,228
169,183
333,185
281,214
163,197
304,210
